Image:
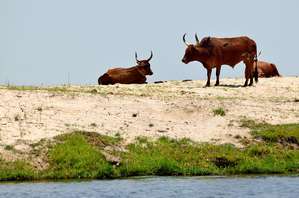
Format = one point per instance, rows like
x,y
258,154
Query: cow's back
x,y
229,51
126,75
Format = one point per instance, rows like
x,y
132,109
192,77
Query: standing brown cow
x,y
266,69
214,52
133,75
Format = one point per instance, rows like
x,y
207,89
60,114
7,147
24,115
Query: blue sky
x,y
53,42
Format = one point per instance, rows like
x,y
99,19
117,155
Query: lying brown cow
x,y
266,69
132,75
214,52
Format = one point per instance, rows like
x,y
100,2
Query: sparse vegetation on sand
x,y
176,109
133,90
273,150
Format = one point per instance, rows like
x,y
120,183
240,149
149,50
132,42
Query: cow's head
x,y
198,52
144,66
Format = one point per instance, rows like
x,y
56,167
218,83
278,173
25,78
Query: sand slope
x,y
175,109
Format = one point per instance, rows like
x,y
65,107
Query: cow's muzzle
x,y
184,61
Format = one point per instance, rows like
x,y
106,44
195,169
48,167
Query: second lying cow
x,y
132,75
266,70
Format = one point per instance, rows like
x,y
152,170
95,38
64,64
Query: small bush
x,y
219,111
9,147
93,124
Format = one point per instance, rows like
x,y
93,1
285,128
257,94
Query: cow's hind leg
x,y
251,74
248,73
251,80
250,66
247,76
218,69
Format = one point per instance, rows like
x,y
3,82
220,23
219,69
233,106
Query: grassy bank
x,y
273,150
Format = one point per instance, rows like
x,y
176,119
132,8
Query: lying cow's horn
x,y
136,57
196,38
184,39
150,56
259,53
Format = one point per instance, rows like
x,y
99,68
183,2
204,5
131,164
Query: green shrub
x,y
284,133
16,171
75,158
219,111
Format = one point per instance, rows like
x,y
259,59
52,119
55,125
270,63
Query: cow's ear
x,y
208,40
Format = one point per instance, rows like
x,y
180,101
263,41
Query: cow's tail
x,y
276,71
256,72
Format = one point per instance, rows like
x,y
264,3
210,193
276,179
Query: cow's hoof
x,y
217,84
206,86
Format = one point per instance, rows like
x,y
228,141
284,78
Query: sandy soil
x,y
175,109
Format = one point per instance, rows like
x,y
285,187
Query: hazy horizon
x,y
75,41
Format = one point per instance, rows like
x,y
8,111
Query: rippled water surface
x,y
287,187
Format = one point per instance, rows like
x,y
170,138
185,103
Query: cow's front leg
x,y
143,82
209,71
218,69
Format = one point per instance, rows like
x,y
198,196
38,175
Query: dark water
x,y
270,187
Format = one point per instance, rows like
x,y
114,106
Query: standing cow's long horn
x,y
196,38
184,39
150,56
136,57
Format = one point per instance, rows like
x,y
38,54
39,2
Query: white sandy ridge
x,y
174,109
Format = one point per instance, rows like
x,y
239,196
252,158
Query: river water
x,y
181,187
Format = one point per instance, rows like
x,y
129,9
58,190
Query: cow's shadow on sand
x,y
230,86
221,85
